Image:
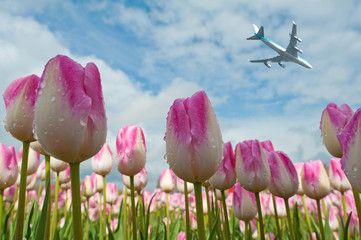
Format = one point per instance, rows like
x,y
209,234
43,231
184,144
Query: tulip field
x,y
209,189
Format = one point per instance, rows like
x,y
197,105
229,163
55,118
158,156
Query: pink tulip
x,y
180,186
140,180
70,121
167,180
32,182
244,203
280,205
58,165
333,120
337,176
181,236
299,169
89,186
111,193
284,178
99,181
268,146
131,150
194,143
225,177
64,176
9,193
33,160
93,214
350,139
8,166
40,172
102,162
20,97
315,182
252,166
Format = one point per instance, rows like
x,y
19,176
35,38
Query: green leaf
x,y
40,231
147,219
6,220
27,231
345,233
213,235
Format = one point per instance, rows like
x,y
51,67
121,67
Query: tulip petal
x,y
350,140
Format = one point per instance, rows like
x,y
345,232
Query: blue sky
x,y
152,52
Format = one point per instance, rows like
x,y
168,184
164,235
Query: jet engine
x,y
267,64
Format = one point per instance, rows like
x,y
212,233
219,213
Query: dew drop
x,y
354,168
61,119
52,99
83,123
43,84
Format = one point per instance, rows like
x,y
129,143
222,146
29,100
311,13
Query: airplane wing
x,y
292,46
266,61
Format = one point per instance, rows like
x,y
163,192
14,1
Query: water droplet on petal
x,y
61,119
52,99
43,84
83,123
354,168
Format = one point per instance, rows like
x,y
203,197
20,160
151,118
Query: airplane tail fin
x,y
258,33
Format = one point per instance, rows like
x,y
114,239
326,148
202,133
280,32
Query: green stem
x,y
246,232
133,207
87,221
199,208
319,210
188,228
290,225
100,218
279,235
167,214
141,209
75,190
105,206
260,217
226,221
21,203
125,225
1,211
48,190
209,210
344,207
54,219
356,196
308,223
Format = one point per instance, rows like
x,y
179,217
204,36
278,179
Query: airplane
x,y
285,55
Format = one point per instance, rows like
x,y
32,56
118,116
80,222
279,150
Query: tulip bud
x,y
70,121
40,172
58,165
225,177
284,179
299,168
333,120
194,143
19,99
252,166
33,160
89,186
268,146
131,150
244,203
111,193
337,176
167,180
350,139
140,180
315,182
180,186
64,176
8,166
102,162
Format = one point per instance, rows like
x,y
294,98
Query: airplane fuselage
x,y
282,51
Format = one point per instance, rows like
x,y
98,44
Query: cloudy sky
x,y
152,52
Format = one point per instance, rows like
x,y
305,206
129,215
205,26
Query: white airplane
x,y
285,55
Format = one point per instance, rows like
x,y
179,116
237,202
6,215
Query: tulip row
x,y
62,115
